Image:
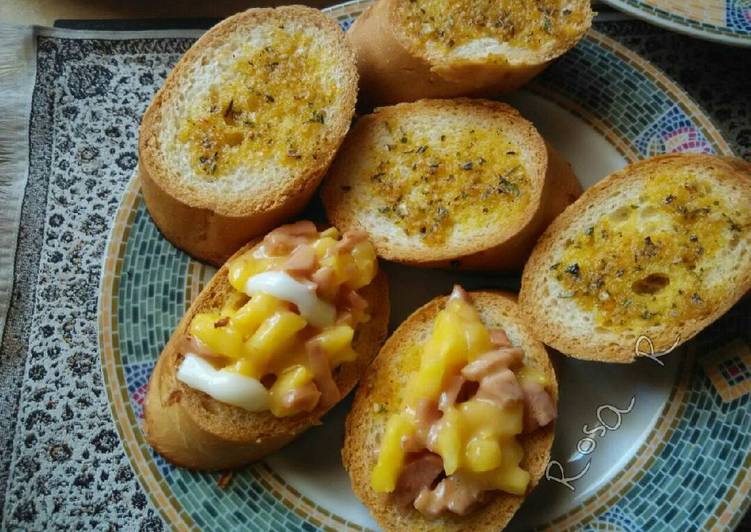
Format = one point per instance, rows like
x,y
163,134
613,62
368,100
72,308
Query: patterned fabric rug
x,y
63,465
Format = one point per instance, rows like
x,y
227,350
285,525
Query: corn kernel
x,y
336,338
260,307
391,456
331,232
239,272
530,374
243,366
482,416
323,247
274,336
226,341
340,357
344,268
290,379
482,454
366,264
449,441
513,480
478,340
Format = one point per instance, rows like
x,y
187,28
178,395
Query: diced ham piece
x,y
349,240
191,344
418,474
498,338
453,493
325,280
460,293
500,388
287,237
319,365
539,408
451,392
356,303
484,365
412,443
426,413
302,399
301,261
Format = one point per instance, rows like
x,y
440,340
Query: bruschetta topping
x,y
290,320
651,260
498,26
271,92
471,397
459,172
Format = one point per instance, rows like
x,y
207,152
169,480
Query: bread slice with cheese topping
x,y
379,395
245,126
448,183
412,49
192,429
652,253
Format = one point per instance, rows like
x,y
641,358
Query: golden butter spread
x,y
469,175
652,260
270,104
445,26
289,320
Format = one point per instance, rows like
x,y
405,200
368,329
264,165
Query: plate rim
x,y
690,28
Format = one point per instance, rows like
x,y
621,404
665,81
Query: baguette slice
x,y
409,50
433,184
379,392
676,257
193,430
245,126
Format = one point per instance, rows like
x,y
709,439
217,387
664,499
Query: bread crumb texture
x,y
666,251
259,102
438,173
491,28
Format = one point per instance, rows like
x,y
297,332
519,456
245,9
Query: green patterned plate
x,y
724,21
672,449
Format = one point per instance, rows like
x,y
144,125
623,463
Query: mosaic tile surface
x,y
636,108
726,21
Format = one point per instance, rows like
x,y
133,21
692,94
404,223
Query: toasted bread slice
x,y
193,430
245,126
379,393
409,50
448,183
658,250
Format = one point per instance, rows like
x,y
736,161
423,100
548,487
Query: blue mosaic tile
x,y
671,132
738,15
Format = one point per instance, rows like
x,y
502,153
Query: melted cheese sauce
x,y
649,261
226,386
270,104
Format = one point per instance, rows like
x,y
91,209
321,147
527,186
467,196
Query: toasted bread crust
x,y
393,70
212,228
621,348
383,381
192,430
554,186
